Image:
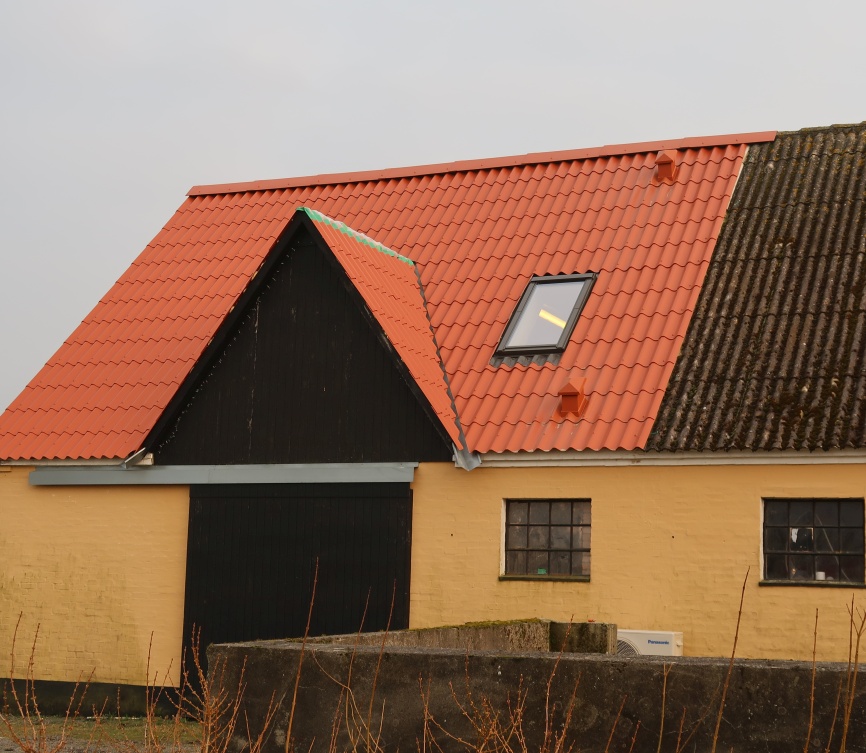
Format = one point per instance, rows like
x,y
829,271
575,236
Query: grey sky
x,y
110,110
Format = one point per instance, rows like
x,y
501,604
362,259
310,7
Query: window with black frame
x,y
815,540
547,538
545,315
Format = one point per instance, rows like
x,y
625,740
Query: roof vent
x,y
666,164
573,398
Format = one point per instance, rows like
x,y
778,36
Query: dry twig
x,y
730,665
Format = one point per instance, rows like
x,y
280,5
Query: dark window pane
x,y
539,537
515,563
537,563
539,512
776,539
518,512
775,513
580,537
851,569
580,563
827,512
800,512
515,537
801,540
560,563
560,537
851,512
826,539
827,564
548,543
560,513
775,567
580,513
801,567
851,540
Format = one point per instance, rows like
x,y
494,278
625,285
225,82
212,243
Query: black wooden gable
x,y
299,373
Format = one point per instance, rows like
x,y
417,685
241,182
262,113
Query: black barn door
x,y
252,551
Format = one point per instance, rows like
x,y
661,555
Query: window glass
x,y
547,538
539,512
560,513
519,512
580,563
850,513
560,537
775,513
546,314
814,540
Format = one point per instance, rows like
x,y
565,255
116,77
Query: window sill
x,y
813,583
565,578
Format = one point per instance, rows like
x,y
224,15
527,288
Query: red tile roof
x,y
391,288
477,231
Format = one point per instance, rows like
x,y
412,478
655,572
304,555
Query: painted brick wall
x,y
99,570
670,549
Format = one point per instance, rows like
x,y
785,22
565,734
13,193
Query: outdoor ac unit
x,y
648,643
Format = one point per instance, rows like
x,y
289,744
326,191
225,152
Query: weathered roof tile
x,y
775,356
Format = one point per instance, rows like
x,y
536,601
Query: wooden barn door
x,y
252,551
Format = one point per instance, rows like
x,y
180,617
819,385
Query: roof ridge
x,y
343,228
608,150
828,128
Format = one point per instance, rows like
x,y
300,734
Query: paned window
x,y
545,315
814,540
547,538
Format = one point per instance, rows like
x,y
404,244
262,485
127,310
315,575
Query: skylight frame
x,y
562,343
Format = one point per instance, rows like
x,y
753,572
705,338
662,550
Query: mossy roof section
x,y
775,355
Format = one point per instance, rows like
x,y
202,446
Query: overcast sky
x,y
112,110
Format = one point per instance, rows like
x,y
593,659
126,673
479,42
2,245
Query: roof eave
x,y
619,458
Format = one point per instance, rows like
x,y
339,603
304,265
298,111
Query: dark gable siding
x,y
302,379
775,355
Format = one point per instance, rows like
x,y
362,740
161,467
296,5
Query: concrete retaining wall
x,y
767,705
512,635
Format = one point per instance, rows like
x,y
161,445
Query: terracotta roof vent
x,y
666,164
573,398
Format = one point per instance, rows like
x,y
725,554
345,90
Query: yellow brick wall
x,y
98,569
670,549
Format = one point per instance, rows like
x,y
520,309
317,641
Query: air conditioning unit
x,y
648,643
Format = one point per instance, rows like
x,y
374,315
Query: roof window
x,y
545,315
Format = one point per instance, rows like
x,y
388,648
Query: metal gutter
x,y
466,459
589,458
185,475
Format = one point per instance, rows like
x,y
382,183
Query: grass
x,y
207,711
110,729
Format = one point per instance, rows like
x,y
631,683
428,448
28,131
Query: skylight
x,y
545,315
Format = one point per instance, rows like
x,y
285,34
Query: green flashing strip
x,y
360,237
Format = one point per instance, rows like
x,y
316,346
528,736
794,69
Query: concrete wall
x,y
98,570
516,636
767,706
670,549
